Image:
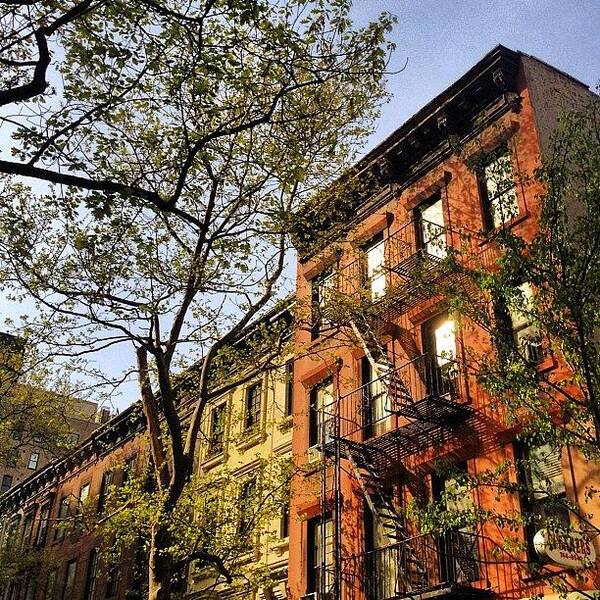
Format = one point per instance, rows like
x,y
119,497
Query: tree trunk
x,y
160,565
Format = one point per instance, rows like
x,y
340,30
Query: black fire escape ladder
x,y
398,392
412,574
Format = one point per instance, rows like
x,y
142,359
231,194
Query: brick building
x,y
388,396
80,418
240,428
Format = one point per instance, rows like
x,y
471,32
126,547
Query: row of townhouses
x,y
366,407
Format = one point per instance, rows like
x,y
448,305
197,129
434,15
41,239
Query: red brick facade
x,y
491,107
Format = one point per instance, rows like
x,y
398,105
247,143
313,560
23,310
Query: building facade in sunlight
x,y
384,394
56,511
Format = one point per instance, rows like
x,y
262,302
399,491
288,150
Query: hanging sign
x,y
570,549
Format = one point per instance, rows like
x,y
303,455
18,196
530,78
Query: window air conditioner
x,y
314,455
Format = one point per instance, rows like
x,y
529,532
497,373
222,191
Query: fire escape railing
x,y
418,245
422,389
449,561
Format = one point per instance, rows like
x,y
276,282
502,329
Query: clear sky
x,y
441,39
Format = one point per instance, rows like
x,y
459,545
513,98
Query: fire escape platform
x,y
430,424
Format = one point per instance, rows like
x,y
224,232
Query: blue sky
x,y
439,40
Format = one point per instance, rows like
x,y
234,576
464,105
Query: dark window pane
x,y
253,405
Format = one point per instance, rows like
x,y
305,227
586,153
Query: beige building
x,y
246,435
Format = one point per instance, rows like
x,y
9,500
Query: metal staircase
x,y
411,574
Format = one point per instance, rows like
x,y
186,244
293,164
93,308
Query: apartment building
x,y
242,430
80,418
35,512
247,438
382,392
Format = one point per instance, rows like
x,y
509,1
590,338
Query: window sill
x,y
212,461
253,438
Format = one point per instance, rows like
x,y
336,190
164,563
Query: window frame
x,y
107,480
69,580
315,426
3,488
43,523
421,240
129,469
529,505
318,284
486,200
112,581
376,241
288,408
248,488
64,503
313,562
216,436
253,404
91,576
28,525
37,455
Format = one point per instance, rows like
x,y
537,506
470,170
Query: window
x,y
34,459
50,589
457,543
246,508
498,189
90,578
43,526
289,388
374,267
7,481
321,406
526,335
253,406
129,469
67,593
544,494
63,514
107,480
28,527
322,286
375,398
84,493
216,433
439,347
112,582
320,556
431,233
284,524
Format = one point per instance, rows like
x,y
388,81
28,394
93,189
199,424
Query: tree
x,y
536,299
173,144
34,406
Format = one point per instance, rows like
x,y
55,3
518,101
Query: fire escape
x,y
420,403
